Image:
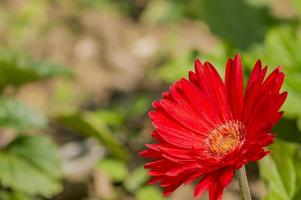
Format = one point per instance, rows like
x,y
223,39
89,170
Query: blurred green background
x,y
77,78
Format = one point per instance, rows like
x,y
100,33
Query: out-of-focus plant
x,y
90,124
282,171
29,162
18,69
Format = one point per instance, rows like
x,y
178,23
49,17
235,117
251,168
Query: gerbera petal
x,y
226,176
183,101
149,153
257,75
203,185
173,132
171,184
200,102
234,85
193,77
215,191
267,107
177,171
212,85
254,84
193,177
186,118
262,100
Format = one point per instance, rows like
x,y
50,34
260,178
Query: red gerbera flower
x,y
207,128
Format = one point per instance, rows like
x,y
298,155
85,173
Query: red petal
x,y
216,191
262,100
193,177
226,177
186,118
212,86
203,185
174,133
177,171
201,103
234,85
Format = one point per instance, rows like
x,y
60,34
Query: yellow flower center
x,y
226,137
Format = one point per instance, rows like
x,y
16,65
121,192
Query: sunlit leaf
x,y
111,117
116,169
31,165
162,11
5,195
297,6
16,115
17,69
280,172
149,193
177,67
91,125
140,105
136,179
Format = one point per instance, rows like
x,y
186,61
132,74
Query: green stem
x,y
243,184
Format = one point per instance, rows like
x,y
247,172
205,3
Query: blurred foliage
x,y
18,116
136,179
281,170
149,193
18,69
30,167
116,169
181,65
29,164
14,196
91,125
233,20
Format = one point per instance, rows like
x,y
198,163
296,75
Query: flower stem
x,y
243,184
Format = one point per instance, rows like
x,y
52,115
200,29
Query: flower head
x,y
206,128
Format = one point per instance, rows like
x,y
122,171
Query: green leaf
x,y
16,115
116,169
31,165
280,172
111,117
17,69
40,151
161,11
287,129
297,159
140,105
91,125
234,20
5,195
297,6
149,193
176,68
136,179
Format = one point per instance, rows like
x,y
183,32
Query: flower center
x,y
226,137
